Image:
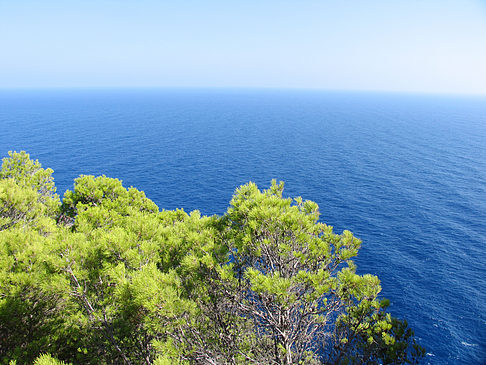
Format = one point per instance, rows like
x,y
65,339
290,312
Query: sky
x,y
427,46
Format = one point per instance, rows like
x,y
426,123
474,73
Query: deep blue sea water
x,y
405,173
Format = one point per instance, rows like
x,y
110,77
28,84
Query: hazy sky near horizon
x,y
408,45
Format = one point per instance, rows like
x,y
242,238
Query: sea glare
x,y
405,173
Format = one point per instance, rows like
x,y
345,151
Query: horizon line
x,y
235,88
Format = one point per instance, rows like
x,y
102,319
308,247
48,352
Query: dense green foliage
x,y
107,278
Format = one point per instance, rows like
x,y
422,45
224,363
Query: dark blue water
x,y
405,173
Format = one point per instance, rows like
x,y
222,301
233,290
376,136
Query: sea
x,y
406,173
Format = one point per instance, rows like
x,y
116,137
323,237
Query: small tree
x,y
29,173
293,282
27,193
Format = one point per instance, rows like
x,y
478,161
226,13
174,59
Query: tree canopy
x,y
105,277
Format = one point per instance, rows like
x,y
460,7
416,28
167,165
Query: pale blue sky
x,y
409,45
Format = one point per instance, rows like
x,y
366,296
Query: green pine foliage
x,y
105,277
